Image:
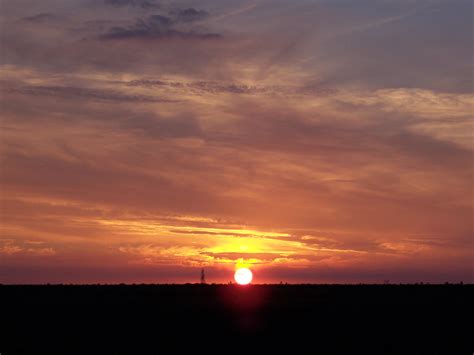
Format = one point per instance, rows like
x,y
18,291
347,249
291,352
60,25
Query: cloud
x,y
146,4
43,17
253,259
188,15
149,126
214,87
71,92
158,26
9,247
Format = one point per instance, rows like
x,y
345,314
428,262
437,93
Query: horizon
x,y
246,286
321,141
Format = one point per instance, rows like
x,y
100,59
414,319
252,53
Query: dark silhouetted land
x,y
306,319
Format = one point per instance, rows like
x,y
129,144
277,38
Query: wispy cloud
x,y
9,247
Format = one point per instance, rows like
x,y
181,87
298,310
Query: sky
x,y
325,141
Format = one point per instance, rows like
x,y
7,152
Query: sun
x,y
243,276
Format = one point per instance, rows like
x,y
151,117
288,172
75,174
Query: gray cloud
x,y
146,4
152,127
71,92
214,87
159,26
43,17
188,15
361,57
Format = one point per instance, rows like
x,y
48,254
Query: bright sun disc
x,y
243,276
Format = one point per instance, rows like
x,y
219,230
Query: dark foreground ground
x,y
303,319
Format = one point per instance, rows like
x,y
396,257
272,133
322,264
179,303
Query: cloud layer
x,y
315,142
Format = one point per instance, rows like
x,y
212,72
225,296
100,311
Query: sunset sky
x,y
312,141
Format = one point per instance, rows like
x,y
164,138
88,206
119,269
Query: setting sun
x,y
243,276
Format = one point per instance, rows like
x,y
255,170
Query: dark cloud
x,y
146,4
213,87
262,257
149,126
199,87
221,233
70,92
189,15
41,18
159,26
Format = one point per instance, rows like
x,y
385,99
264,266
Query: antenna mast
x,y
203,277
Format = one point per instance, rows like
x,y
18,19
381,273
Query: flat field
x,y
163,319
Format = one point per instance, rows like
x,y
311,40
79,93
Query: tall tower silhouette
x,y
203,277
